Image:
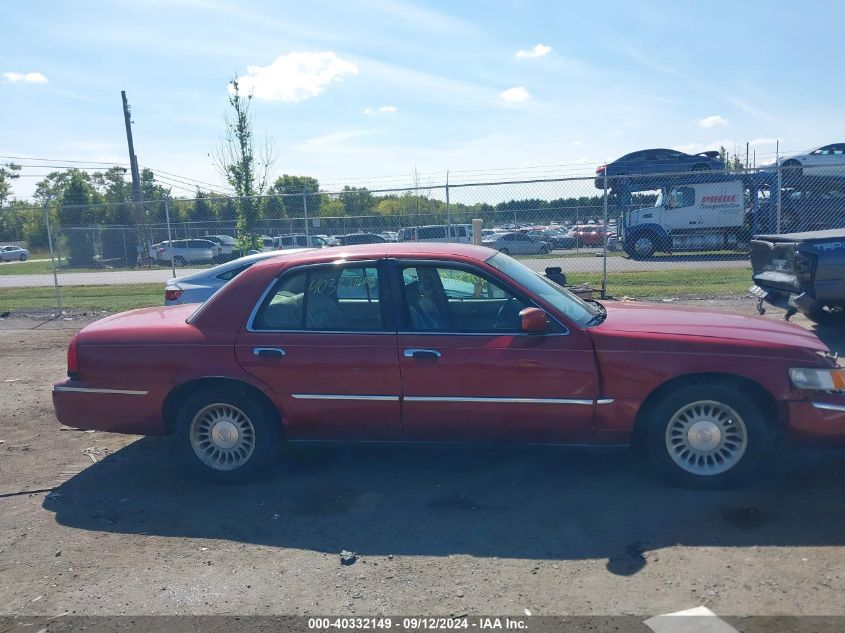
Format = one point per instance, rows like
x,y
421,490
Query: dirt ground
x,y
101,524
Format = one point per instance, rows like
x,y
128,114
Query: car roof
x,y
240,261
386,249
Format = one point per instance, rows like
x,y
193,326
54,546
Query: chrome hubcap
x,y
222,436
706,438
642,245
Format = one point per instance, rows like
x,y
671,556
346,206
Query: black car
x,y
658,161
801,272
360,238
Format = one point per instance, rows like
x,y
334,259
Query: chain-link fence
x,y
623,232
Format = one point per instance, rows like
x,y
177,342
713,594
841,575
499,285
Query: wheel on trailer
x,y
707,436
642,247
792,168
227,436
827,315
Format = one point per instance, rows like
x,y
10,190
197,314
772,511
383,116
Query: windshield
x,y
576,309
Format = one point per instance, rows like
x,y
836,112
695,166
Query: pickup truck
x,y
801,272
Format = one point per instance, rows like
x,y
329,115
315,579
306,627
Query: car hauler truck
x,y
689,217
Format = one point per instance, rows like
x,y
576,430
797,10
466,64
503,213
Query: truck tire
x,y
833,316
642,246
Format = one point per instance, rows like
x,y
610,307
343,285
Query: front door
x,y
324,342
470,374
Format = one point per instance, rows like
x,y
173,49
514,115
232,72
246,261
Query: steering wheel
x,y
506,314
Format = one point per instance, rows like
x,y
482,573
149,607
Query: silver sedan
x,y
13,254
517,244
199,286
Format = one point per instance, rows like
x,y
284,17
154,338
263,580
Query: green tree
x,y
357,201
8,173
243,163
293,204
77,216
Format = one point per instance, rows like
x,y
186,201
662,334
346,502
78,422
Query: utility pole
x,y
133,160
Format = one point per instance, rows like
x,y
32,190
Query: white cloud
x,y
540,50
296,76
27,78
516,94
712,121
386,109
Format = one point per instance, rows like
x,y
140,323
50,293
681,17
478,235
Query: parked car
x,y
517,244
827,160
589,235
359,238
460,233
801,272
658,161
226,242
283,242
557,239
382,343
390,236
199,286
13,254
185,252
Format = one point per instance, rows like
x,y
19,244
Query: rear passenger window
x,y
329,299
231,274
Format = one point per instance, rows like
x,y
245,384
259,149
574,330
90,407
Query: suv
x,y
461,233
183,252
282,242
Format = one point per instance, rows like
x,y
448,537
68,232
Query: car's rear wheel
x,y
707,436
179,260
545,249
23,257
228,437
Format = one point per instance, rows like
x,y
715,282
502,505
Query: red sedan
x,y
447,342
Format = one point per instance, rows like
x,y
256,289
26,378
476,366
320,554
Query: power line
x,y
66,160
185,178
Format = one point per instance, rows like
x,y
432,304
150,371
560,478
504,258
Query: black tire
x,y
744,436
642,246
792,168
701,167
179,260
504,251
833,316
23,257
264,431
545,250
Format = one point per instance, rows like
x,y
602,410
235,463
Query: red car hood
x,y
636,318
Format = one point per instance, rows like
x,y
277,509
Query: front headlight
x,y
818,379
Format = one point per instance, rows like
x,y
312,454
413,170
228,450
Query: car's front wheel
x,y
227,436
707,436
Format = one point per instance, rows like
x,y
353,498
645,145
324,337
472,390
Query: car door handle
x,y
422,353
268,352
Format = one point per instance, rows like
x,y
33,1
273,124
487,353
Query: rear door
x,y
469,373
323,340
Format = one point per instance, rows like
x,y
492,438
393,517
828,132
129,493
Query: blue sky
x,y
368,91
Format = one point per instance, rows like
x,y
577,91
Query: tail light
x,y
160,249
171,294
73,358
805,266
600,170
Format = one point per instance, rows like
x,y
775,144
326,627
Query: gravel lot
x,y
101,524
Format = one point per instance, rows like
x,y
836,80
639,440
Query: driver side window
x,y
440,299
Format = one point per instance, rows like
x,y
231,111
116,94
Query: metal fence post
x,y
448,212
169,238
305,214
780,186
53,260
604,260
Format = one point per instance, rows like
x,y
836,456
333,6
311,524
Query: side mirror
x,y
534,320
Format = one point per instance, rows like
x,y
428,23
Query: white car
x,y
460,234
185,252
199,286
828,160
13,254
517,244
299,240
226,242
